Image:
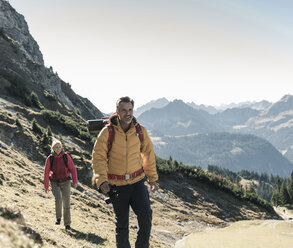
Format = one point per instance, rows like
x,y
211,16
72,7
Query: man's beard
x,y
128,121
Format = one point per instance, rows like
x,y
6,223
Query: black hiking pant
x,y
135,195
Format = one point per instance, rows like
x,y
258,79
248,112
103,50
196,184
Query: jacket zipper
x,y
126,154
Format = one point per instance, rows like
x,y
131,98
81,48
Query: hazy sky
x,y
206,51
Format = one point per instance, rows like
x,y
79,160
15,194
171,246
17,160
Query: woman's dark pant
x,y
134,195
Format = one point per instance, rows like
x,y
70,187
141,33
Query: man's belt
x,y
60,180
126,176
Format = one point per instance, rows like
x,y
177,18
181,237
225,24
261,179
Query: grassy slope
x,y
22,191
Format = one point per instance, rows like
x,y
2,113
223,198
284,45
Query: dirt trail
x,y
284,213
246,234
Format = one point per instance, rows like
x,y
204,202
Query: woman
x,y
58,168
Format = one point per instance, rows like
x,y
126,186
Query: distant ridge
x,y
253,105
210,109
283,105
159,103
162,102
178,118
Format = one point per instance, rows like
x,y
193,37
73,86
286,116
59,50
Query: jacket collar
x,y
58,156
114,120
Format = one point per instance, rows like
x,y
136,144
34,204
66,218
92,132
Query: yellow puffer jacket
x,y
126,156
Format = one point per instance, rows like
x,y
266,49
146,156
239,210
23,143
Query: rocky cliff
x,y
15,27
22,69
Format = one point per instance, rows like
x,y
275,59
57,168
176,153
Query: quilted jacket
x,y
126,156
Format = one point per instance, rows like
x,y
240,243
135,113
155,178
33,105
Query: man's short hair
x,y
124,99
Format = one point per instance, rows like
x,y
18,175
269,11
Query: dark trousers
x,y
134,195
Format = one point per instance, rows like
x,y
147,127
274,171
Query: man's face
x,y
125,113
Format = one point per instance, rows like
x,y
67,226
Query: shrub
x,y
17,123
35,100
87,155
9,213
36,127
71,124
27,101
49,134
50,96
45,142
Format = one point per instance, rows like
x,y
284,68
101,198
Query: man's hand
x,y
153,186
75,185
46,191
104,187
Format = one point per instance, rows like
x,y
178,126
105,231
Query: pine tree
x,y
238,179
290,188
276,197
276,200
278,183
176,164
284,195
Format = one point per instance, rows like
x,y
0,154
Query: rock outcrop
x,y
15,27
22,69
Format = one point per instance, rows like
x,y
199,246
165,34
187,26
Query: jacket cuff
x,y
153,179
100,181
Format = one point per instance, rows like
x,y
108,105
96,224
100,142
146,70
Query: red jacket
x,y
59,170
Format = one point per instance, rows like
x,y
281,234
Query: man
x,y
125,165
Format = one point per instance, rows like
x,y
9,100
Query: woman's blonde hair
x,y
54,142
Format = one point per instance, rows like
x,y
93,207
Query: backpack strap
x,y
110,127
139,132
111,137
51,157
65,158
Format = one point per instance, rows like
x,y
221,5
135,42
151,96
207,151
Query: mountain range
x,y
259,122
162,102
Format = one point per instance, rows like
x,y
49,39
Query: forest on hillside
x,y
275,189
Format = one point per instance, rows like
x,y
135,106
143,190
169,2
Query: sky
x,y
208,52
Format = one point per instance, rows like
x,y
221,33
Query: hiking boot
x,y
67,227
57,221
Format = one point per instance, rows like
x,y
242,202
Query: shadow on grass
x,y
90,237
